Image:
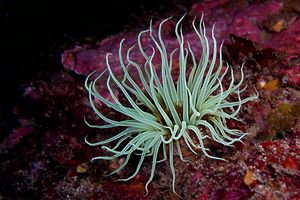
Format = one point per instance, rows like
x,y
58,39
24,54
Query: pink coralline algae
x,y
293,74
287,40
234,17
277,165
239,20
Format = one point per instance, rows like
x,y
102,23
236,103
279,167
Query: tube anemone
x,y
165,113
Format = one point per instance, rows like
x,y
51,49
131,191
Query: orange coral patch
x,y
249,178
271,85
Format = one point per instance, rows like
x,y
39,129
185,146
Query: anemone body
x,y
163,111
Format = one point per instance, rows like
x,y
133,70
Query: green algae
x,y
282,119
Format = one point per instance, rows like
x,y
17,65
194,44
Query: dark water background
x,y
35,33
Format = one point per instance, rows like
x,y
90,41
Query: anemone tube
x,y
160,111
